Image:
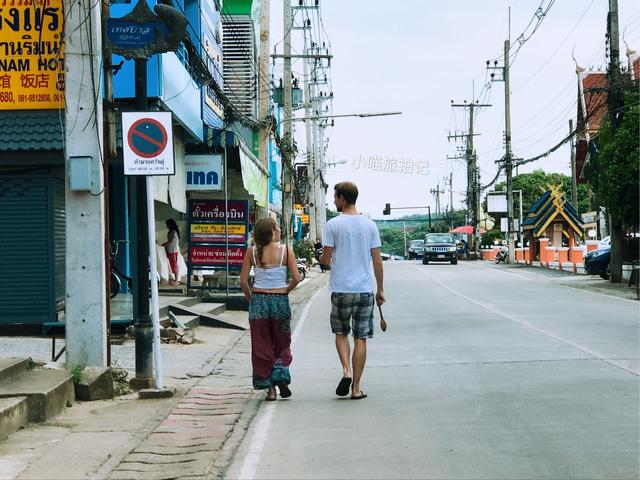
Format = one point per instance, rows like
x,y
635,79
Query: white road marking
x,y
524,323
252,459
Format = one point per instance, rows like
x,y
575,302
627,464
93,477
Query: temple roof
x,y
552,206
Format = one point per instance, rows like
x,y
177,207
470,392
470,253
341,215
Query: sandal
x,y
271,394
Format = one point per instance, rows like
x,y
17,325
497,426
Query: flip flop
x,y
359,397
271,396
342,390
284,389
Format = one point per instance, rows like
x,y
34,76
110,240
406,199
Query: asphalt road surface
x,y
483,373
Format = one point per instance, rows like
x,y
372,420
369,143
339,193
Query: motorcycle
x,y
502,256
317,255
302,268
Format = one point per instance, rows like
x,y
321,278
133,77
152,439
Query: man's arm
x,y
325,258
379,274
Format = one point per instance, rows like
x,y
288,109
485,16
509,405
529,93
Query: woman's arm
x,y
293,268
244,274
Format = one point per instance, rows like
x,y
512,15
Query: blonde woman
x,y
269,310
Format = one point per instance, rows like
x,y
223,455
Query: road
x,y
484,373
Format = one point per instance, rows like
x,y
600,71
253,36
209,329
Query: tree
x,y
613,172
392,240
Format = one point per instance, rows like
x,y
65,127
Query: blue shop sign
x,y
127,34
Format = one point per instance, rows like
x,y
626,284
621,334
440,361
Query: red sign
x,y
147,138
216,255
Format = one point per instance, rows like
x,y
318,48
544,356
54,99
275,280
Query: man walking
x,y
351,243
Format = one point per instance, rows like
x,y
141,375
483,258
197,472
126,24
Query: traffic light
x,y
387,209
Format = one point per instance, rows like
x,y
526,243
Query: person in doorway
x,y
172,247
351,243
269,310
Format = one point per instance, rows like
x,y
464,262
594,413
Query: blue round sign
x,y
147,138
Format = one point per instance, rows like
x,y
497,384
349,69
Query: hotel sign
x,y
31,56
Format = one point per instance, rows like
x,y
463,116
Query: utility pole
x,y
263,96
312,172
473,188
574,180
508,161
110,154
449,181
615,103
287,140
86,301
436,191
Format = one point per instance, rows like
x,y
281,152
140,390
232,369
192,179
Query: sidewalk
x,y
192,435
588,283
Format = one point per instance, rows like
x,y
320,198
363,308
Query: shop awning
x,y
255,177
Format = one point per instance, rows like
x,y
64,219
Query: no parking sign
x,y
147,143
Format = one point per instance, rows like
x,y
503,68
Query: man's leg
x,y
344,349
359,359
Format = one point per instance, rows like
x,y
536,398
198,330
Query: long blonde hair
x,y
263,235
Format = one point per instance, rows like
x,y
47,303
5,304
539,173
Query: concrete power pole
x,y
287,138
473,188
508,161
615,102
312,171
321,212
263,95
436,191
85,302
449,181
574,179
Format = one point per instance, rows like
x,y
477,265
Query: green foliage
x,y
536,183
613,169
303,249
331,214
76,373
392,240
490,236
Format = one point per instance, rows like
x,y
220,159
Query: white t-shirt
x,y
352,238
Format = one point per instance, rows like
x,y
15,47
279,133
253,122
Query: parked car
x,y
439,247
416,249
598,261
605,242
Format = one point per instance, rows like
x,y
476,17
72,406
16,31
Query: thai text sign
x,y
216,233
127,34
31,55
213,210
215,225
215,255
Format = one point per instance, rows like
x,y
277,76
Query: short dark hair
x,y
348,191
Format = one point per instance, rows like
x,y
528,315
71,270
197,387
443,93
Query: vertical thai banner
x,y
31,55
210,225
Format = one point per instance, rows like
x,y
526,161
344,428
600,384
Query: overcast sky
x,y
415,56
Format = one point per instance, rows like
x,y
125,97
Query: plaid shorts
x,y
352,311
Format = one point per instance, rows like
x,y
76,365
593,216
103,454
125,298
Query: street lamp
x,y
342,161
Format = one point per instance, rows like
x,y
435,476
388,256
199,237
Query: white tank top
x,y
270,278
